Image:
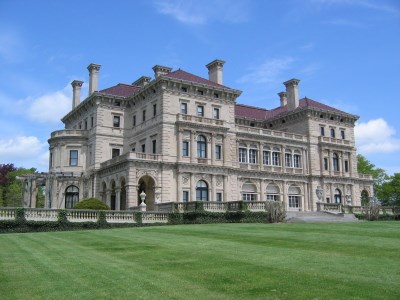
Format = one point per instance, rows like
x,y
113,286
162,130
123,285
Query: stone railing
x,y
256,205
7,213
40,214
69,133
215,122
154,217
215,206
274,133
167,206
325,139
329,207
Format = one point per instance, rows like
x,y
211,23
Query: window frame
x,y
185,148
200,110
117,121
73,161
201,146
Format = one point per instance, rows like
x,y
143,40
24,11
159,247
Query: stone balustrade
x,y
40,214
154,217
7,213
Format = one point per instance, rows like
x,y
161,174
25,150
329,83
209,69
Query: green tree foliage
x,y
389,192
91,203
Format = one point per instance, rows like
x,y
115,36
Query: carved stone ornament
x,y
219,180
185,179
152,173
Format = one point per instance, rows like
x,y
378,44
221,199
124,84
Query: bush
x,y
276,211
91,203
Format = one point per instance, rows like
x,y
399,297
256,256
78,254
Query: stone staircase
x,y
310,217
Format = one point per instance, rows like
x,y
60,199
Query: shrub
x,y
91,203
276,212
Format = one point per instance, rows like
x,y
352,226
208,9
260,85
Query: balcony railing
x,y
196,119
274,133
325,139
132,155
69,133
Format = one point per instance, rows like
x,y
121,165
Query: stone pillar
x,y
330,162
213,148
305,197
226,189
76,92
180,145
213,190
262,190
193,152
304,161
283,159
108,198
285,195
118,199
332,193
192,188
260,156
179,188
93,77
225,149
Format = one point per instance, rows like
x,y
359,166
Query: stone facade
x,y
180,137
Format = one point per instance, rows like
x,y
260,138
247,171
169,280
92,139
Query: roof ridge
x,y
250,106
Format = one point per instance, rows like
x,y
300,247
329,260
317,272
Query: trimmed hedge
x,y
91,203
203,217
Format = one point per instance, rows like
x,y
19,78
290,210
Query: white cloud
x,y
267,72
376,136
200,12
24,151
380,6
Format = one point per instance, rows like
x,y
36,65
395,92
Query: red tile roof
x,y
251,112
183,75
121,89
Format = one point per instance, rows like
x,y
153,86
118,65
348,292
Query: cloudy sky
x,y
345,52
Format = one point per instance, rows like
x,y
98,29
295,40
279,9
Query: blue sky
x,y
345,52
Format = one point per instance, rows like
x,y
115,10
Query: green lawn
x,y
218,261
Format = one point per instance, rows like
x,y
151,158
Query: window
x,y
184,89
201,147
154,110
86,124
242,155
272,192
253,156
185,196
249,192
218,151
297,159
73,157
326,164
115,152
342,134
336,162
332,132
346,166
249,197
116,121
154,142
91,121
201,191
338,196
51,160
276,158
144,115
134,120
288,160
200,110
218,197
184,108
322,128
80,125
271,197
143,148
117,103
200,92
216,113
266,157
185,148
216,95
71,196
294,201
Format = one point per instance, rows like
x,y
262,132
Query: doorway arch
x,y
147,184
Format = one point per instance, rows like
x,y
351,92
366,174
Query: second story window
x,y
335,162
115,152
288,160
144,115
200,110
134,120
276,158
73,157
143,148
253,156
216,113
154,143
218,151
322,128
185,148
242,155
342,134
154,110
184,108
332,132
201,147
116,121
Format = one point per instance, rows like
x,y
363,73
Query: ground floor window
x,y
185,196
249,197
201,191
71,196
271,197
294,201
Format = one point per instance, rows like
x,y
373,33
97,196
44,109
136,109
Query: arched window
x,y
297,159
338,196
201,191
336,162
249,192
294,197
272,192
71,196
201,147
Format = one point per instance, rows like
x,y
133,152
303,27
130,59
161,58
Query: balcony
x,y
196,119
132,156
69,133
272,133
330,140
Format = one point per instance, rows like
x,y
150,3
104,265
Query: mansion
x,y
179,138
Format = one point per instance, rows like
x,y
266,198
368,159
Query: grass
x,y
218,261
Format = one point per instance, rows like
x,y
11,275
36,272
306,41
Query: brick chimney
x,y
283,98
161,70
76,92
142,81
93,77
215,71
292,91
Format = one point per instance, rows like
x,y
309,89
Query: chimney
x,y
142,81
292,91
215,69
283,98
93,77
76,92
160,70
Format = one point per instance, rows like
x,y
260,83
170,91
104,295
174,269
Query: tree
x,y
389,191
4,170
12,190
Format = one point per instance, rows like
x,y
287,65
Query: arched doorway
x,y
147,184
123,195
71,196
338,196
113,195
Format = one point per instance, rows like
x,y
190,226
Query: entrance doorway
x,y
147,184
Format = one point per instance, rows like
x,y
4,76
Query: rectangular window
x,y
154,110
346,166
216,113
91,121
134,120
200,110
184,108
294,201
242,155
272,197
200,92
249,197
218,197
116,121
115,152
342,134
185,148
332,132
80,125
252,156
51,160
185,196
326,164
154,146
143,148
73,157
184,89
276,159
144,115
86,124
218,151
266,158
297,161
288,160
322,131
216,95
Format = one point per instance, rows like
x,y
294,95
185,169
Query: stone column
x,y
330,162
285,195
213,148
225,149
305,197
193,152
131,195
262,190
226,189
332,193
179,187
283,159
192,188
180,145
213,190
260,156
108,198
118,198
304,161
